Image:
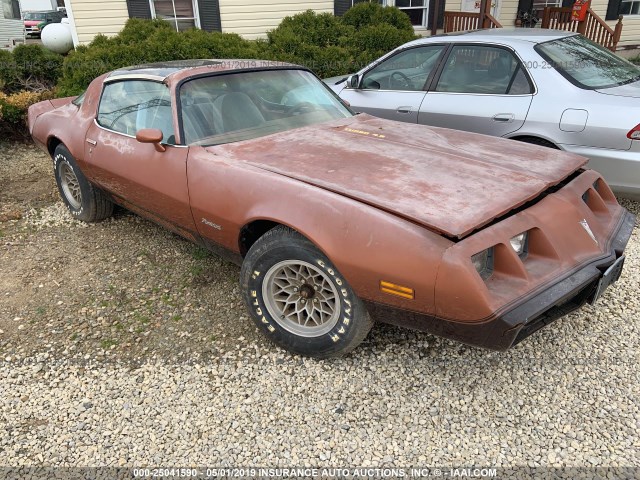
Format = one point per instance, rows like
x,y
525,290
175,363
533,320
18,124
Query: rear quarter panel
x,y
62,120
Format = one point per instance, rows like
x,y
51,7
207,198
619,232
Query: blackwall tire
x,y
298,298
84,201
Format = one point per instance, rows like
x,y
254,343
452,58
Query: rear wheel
x,y
84,201
298,298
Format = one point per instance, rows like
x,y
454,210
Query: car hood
x,y
32,23
450,181
628,90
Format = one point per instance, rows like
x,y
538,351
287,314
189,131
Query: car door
x,y
481,88
146,180
394,88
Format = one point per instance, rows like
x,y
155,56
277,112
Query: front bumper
x,y
512,326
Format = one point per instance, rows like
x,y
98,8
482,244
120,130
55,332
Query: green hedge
x,y
29,67
326,44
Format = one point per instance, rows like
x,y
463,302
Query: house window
x,y
417,10
183,14
630,7
10,9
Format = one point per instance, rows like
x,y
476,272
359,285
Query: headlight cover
x,y
518,243
483,262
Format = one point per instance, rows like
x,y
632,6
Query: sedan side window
x,y
131,105
479,69
404,71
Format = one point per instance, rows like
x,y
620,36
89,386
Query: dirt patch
x,y
26,181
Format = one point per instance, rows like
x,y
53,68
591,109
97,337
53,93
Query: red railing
x,y
592,27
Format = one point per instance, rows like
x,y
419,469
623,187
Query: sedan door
x,y
394,88
482,89
146,180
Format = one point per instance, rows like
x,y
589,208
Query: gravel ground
x,y
123,345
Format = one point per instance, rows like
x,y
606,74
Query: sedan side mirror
x,y
151,135
353,81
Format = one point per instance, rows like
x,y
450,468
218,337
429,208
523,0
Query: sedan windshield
x,y
35,16
241,106
587,64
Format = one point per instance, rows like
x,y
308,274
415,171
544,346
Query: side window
x,y
131,105
479,69
407,70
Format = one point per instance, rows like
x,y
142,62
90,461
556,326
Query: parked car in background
x,y
339,219
34,22
552,88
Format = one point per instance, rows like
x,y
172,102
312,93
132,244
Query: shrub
x,y
13,112
372,41
367,14
144,41
29,67
339,45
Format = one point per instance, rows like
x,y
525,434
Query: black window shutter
x,y
441,7
210,15
525,5
340,7
567,3
613,10
139,9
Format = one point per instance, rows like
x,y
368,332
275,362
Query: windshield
x,y
587,64
35,16
241,106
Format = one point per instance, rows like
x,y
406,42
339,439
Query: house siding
x,y
254,19
631,24
92,17
10,29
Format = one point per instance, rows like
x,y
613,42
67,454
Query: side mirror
x,y
353,81
151,135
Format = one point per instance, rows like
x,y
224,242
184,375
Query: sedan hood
x,y
449,181
628,90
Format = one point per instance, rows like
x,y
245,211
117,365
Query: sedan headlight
x,y
483,262
518,243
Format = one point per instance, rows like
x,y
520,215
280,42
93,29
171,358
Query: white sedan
x,y
546,87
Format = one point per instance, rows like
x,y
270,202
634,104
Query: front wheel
x,y
84,201
299,299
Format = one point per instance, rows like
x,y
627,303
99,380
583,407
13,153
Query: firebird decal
x,y
211,224
363,132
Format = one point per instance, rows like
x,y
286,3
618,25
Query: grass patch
x,y
108,343
199,253
41,310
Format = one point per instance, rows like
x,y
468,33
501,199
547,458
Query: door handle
x,y
92,142
503,117
404,110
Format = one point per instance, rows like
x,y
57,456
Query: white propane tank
x,y
57,37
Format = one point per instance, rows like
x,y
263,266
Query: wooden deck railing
x,y
592,27
461,21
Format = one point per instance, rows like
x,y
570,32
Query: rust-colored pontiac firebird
x,y
339,219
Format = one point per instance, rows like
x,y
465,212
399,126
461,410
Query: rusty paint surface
x,y
449,181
